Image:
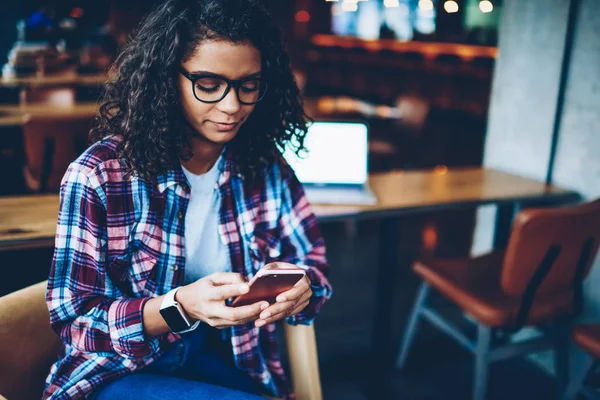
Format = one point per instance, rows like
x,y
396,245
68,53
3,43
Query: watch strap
x,y
168,302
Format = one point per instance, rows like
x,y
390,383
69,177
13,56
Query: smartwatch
x,y
174,315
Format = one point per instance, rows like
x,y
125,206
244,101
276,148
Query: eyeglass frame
x,y
235,83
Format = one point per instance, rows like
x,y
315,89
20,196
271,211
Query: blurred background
x,y
443,84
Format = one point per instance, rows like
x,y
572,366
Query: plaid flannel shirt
x,y
120,241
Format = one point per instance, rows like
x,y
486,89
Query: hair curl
x,y
142,102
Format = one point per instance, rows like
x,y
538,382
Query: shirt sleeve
x,y
303,245
86,309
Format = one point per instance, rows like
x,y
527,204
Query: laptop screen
x,y
337,154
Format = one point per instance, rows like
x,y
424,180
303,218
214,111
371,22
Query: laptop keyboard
x,y
339,196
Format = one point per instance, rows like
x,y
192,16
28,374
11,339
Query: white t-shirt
x,y
205,253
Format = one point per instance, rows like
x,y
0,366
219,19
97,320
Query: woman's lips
x,y
224,127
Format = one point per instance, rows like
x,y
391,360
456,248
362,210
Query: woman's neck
x,y
205,154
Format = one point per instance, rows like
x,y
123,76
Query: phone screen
x,y
268,287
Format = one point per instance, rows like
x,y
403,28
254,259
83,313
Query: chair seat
x,y
587,336
28,346
474,285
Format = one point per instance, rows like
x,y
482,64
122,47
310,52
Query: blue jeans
x,y
198,367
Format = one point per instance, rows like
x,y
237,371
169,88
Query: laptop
x,y
334,170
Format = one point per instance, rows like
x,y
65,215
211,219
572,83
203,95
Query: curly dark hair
x,y
142,102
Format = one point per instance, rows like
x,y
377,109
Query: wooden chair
x,y
587,336
537,281
50,96
447,64
413,113
482,67
412,60
51,144
28,346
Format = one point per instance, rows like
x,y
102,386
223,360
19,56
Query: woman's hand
x,y
287,303
205,300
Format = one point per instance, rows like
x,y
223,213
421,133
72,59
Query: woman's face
x,y
218,123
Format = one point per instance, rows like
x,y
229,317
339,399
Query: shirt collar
x,y
228,168
175,176
172,177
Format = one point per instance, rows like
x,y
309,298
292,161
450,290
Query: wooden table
x,y
54,80
29,222
402,193
414,192
15,115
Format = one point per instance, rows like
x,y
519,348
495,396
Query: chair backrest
x,y
413,113
548,245
448,59
28,346
51,144
64,96
483,62
27,343
413,56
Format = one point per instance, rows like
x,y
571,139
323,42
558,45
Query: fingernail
x,y
259,323
244,288
264,306
280,299
265,315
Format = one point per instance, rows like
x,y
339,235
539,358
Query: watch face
x,y
174,319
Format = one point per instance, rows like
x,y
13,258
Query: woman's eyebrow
x,y
212,74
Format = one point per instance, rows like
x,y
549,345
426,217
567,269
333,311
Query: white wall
x,y
577,162
524,92
522,110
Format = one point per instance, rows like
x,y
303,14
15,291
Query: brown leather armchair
x,y
587,337
28,346
537,282
51,144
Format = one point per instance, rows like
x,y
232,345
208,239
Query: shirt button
x,y
174,267
179,214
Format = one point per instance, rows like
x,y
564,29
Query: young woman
x,y
183,197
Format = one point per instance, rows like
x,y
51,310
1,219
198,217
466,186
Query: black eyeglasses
x,y
211,88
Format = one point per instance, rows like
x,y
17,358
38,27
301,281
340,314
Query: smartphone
x,y
267,284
